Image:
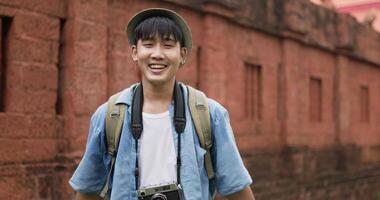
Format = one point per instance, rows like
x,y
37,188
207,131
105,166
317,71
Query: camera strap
x,y
179,120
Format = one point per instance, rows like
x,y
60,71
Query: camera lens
x,y
159,196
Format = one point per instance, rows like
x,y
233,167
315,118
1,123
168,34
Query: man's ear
x,y
134,52
183,55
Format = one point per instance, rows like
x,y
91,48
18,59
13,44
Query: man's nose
x,y
157,52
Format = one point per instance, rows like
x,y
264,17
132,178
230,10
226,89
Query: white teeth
x,y
157,66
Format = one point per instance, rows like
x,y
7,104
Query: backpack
x,y
200,114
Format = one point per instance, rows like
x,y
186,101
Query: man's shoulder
x,y
215,106
217,111
124,96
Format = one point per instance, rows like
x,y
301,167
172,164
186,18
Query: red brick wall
x,y
31,137
301,84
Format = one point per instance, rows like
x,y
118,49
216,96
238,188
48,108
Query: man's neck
x,y
157,98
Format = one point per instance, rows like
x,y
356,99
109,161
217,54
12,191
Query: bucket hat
x,y
152,12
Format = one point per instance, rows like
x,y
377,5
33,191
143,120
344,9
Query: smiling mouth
x,y
157,67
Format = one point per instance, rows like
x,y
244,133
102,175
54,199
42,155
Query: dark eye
x,y
168,45
147,44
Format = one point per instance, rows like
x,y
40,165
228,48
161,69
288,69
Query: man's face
x,y
158,59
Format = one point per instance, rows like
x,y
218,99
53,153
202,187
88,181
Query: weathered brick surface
x,y
56,8
17,188
32,76
310,174
121,72
37,26
85,32
84,91
28,101
312,138
25,49
85,56
93,10
27,150
21,126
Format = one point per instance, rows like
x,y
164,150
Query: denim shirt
x,y
230,174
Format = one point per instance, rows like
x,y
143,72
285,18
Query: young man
x,y
160,156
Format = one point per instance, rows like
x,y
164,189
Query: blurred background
x,y
365,11
300,78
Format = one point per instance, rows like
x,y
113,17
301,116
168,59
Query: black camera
x,y
165,192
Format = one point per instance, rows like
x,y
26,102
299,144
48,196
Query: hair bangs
x,y
162,27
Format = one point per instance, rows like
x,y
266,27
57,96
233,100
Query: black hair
x,y
161,26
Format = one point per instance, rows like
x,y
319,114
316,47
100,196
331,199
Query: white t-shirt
x,y
157,156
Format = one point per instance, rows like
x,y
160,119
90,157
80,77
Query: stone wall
x,y
301,84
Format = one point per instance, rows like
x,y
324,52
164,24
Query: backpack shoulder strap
x,y
114,123
201,118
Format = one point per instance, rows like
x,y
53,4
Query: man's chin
x,y
158,81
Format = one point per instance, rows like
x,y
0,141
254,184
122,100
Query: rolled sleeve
x,y
230,173
91,173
